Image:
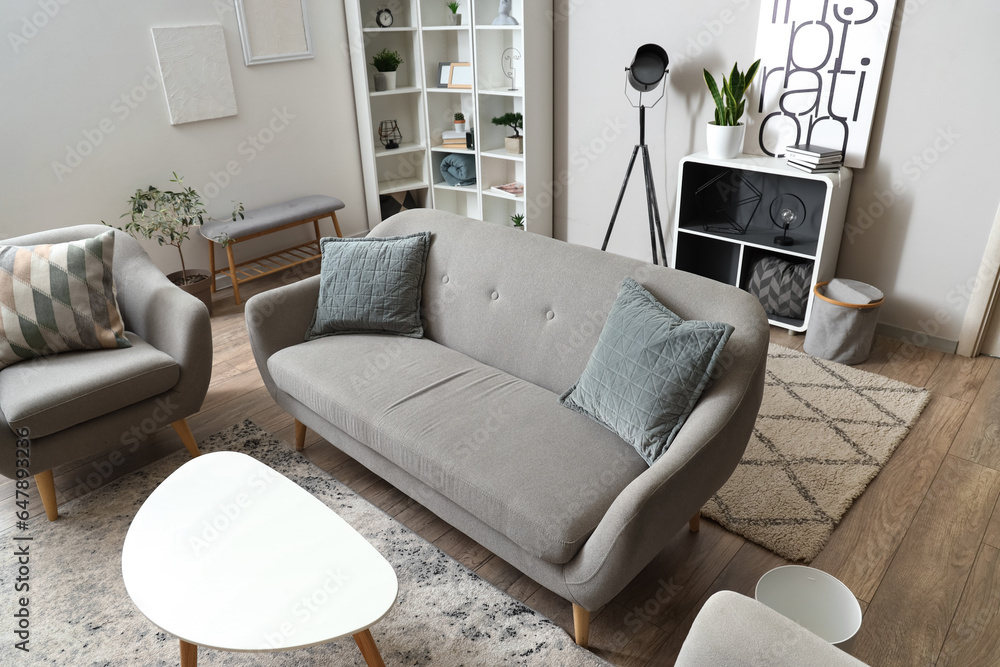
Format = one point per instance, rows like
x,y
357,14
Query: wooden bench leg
x,y
336,225
581,625
232,272
300,436
211,261
47,490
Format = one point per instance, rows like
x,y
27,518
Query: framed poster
x,y
821,65
273,30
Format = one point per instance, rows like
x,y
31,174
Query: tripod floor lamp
x,y
644,75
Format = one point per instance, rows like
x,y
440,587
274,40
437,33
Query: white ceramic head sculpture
x,y
504,17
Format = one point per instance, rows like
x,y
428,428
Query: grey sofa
x,y
466,419
80,404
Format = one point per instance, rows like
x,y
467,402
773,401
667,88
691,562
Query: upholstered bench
x,y
264,221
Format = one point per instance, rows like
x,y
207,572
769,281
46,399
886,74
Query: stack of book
x,y
814,159
453,139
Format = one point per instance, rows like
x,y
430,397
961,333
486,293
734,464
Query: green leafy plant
x,y
729,103
453,6
386,60
515,121
168,215
459,117
517,219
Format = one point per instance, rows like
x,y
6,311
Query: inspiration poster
x,y
821,65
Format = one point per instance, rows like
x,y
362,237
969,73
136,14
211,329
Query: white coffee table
x,y
229,554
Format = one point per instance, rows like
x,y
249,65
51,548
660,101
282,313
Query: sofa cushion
x,y
58,297
50,394
647,371
371,285
488,441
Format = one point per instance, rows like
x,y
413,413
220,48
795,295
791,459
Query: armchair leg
x,y
695,522
581,625
184,431
47,489
300,436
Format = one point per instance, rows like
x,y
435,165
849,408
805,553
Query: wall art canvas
x,y
821,65
273,30
195,71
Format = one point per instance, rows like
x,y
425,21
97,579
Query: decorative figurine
x,y
504,17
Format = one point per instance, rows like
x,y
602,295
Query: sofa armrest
x,y
279,318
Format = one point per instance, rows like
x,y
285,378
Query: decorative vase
x,y
385,81
514,144
503,14
201,287
725,141
460,126
456,19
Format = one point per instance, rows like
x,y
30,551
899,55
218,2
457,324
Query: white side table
x,y
229,554
817,601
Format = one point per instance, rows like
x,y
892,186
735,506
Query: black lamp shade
x,y
647,68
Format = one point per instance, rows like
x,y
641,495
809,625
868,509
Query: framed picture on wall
x,y
273,31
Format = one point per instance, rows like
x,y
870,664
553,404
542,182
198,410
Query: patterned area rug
x,y
81,615
824,431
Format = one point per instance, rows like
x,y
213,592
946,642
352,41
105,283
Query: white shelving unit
x,y
423,34
706,185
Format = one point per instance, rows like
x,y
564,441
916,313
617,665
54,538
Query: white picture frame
x,y
461,76
194,70
273,31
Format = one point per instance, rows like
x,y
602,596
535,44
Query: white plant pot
x,y
456,19
725,141
385,81
460,127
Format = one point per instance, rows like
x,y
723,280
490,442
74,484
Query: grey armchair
x,y
81,404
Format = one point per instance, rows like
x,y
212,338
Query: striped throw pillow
x,y
58,298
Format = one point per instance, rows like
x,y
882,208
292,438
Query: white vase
x,y
456,19
385,81
725,141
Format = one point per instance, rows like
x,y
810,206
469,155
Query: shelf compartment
x,y
441,111
490,48
445,46
408,76
486,11
491,137
498,210
710,257
457,201
402,15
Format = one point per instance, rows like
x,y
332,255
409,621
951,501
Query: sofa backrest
x,y
534,306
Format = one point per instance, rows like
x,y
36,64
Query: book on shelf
x,y
515,188
817,161
814,151
813,169
452,134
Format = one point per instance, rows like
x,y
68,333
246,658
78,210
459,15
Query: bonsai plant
x,y
518,220
725,134
456,18
386,63
167,216
460,122
515,121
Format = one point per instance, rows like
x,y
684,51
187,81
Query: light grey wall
x,y
921,209
87,81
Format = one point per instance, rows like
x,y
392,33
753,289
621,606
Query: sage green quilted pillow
x,y
647,371
371,285
57,298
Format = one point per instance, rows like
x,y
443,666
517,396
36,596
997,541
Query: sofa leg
x,y
47,490
184,431
581,625
300,436
695,523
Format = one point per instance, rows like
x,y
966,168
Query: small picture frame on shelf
x,y
444,75
461,76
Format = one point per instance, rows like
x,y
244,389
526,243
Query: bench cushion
x,y
490,442
50,394
269,217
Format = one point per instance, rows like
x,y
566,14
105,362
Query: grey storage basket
x,y
841,330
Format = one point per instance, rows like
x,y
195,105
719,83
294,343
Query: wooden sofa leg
x,y
47,490
300,436
695,523
184,431
581,625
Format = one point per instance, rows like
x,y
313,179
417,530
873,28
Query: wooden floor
x,y
920,548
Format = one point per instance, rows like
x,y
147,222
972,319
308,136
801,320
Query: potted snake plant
x,y
725,134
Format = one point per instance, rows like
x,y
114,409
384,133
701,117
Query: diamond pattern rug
x,y
823,432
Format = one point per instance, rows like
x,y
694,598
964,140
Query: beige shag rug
x,y
824,431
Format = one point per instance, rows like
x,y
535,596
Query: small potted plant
x,y
167,216
518,220
386,63
725,133
456,18
460,122
515,121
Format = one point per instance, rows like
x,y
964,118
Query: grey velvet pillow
x,y
647,371
371,285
